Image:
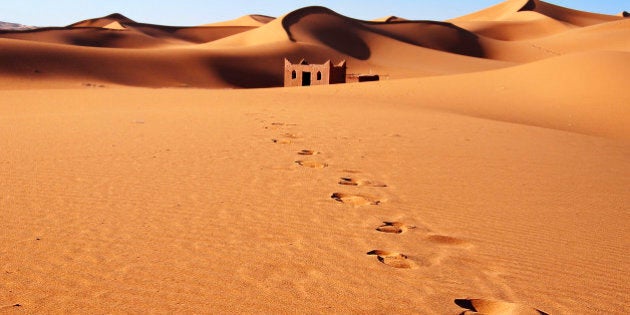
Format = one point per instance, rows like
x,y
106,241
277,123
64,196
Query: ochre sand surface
x,y
487,171
134,200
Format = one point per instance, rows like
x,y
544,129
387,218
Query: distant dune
x,y
14,27
247,20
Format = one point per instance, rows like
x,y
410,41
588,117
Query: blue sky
x,y
195,12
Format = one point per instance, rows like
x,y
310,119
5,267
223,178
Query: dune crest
x,y
510,9
103,21
253,20
389,19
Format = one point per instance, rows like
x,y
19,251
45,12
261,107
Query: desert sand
x,y
164,169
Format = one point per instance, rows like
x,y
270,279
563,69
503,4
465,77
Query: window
x,y
319,75
293,75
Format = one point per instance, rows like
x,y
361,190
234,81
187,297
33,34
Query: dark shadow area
x,y
306,78
97,39
529,6
257,75
441,36
344,40
465,303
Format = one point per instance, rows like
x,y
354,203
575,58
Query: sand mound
x,y
115,26
103,21
253,20
511,9
521,20
389,19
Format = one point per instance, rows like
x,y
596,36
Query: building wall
x,y
338,73
327,73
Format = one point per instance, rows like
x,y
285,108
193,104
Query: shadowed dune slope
x,y
41,64
323,26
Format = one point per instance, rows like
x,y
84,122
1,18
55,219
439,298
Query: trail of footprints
x,y
356,200
392,258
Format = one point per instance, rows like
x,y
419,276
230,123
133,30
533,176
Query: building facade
x,y
305,74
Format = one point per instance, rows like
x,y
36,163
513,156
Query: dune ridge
x,y
246,20
14,26
103,21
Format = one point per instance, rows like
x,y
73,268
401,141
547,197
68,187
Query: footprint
x,y
351,171
281,141
290,135
446,240
490,307
308,152
394,227
312,164
355,200
359,182
287,138
393,259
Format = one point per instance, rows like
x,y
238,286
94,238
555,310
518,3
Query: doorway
x,y
306,78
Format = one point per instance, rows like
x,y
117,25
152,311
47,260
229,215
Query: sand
x,y
486,172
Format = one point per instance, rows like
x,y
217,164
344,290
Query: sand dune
x,y
487,171
389,19
14,26
513,9
489,39
103,21
568,98
253,20
527,19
